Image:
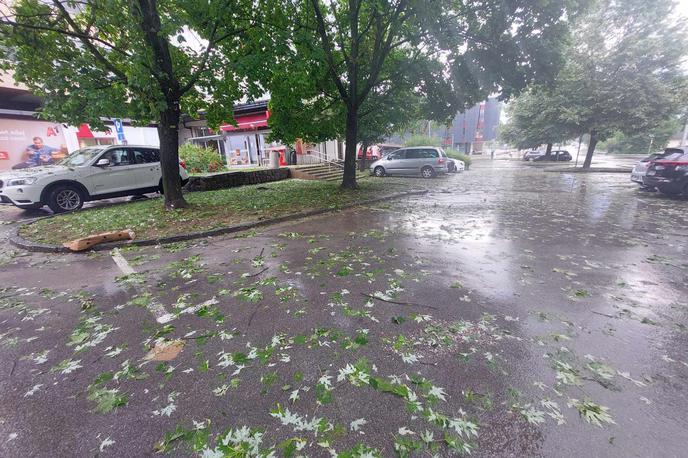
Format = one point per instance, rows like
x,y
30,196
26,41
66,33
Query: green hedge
x,y
200,160
422,140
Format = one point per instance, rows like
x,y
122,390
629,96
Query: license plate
x,y
651,172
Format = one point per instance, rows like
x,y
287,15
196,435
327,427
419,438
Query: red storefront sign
x,y
248,122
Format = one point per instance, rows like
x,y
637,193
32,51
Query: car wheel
x,y
427,172
379,171
65,198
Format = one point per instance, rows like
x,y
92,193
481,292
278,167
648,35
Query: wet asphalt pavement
x,y
509,312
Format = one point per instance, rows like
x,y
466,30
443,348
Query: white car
x,y
455,165
92,173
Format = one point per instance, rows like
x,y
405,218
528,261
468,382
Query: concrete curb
x,y
20,242
590,170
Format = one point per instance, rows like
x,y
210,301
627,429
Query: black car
x,y
669,175
559,155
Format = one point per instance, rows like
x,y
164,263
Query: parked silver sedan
x,y
426,161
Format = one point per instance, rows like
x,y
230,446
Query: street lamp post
x,y
649,148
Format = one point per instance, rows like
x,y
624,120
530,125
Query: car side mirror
x,y
103,162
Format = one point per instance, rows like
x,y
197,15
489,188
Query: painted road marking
x,y
161,315
121,262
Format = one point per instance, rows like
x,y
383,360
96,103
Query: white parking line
x,y
161,315
121,262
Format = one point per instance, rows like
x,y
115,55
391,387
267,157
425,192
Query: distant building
x,y
469,130
475,126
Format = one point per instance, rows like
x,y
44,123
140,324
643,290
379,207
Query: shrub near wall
x,y
199,159
233,179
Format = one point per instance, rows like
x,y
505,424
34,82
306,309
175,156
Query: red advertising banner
x,y
26,143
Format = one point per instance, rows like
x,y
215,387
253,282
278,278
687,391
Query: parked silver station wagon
x,y
426,161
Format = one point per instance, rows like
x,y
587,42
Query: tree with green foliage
x,y
647,141
530,120
623,74
422,140
336,58
147,60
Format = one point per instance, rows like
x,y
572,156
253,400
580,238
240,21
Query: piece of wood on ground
x,y
165,351
87,242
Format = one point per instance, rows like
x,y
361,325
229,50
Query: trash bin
x,y
274,159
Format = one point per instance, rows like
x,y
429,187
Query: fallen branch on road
x,y
371,296
257,273
104,237
603,314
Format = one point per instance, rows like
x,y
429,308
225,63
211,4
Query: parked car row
x,y
108,171
666,172
555,156
92,173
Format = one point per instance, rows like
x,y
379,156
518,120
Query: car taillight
x,y
183,164
440,160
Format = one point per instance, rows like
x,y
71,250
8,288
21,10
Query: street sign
x,y
119,128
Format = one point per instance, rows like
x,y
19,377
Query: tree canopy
x,y
530,120
623,74
339,62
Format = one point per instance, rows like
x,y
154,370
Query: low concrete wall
x,y
234,179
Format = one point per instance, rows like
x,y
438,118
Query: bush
x,y
422,140
452,153
199,159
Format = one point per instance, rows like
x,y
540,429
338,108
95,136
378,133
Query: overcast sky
x,y
683,7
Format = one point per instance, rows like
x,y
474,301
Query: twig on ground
x,y
603,314
371,296
256,274
251,317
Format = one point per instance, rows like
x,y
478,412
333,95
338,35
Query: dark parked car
x,y
559,155
640,169
669,175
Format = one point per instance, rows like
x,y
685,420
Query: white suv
x,y
97,172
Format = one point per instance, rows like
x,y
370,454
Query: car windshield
x,y
81,157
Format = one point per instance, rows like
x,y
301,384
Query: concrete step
x,y
325,172
335,176
318,172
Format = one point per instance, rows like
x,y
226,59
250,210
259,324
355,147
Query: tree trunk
x,y
168,127
349,180
591,149
549,149
168,131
